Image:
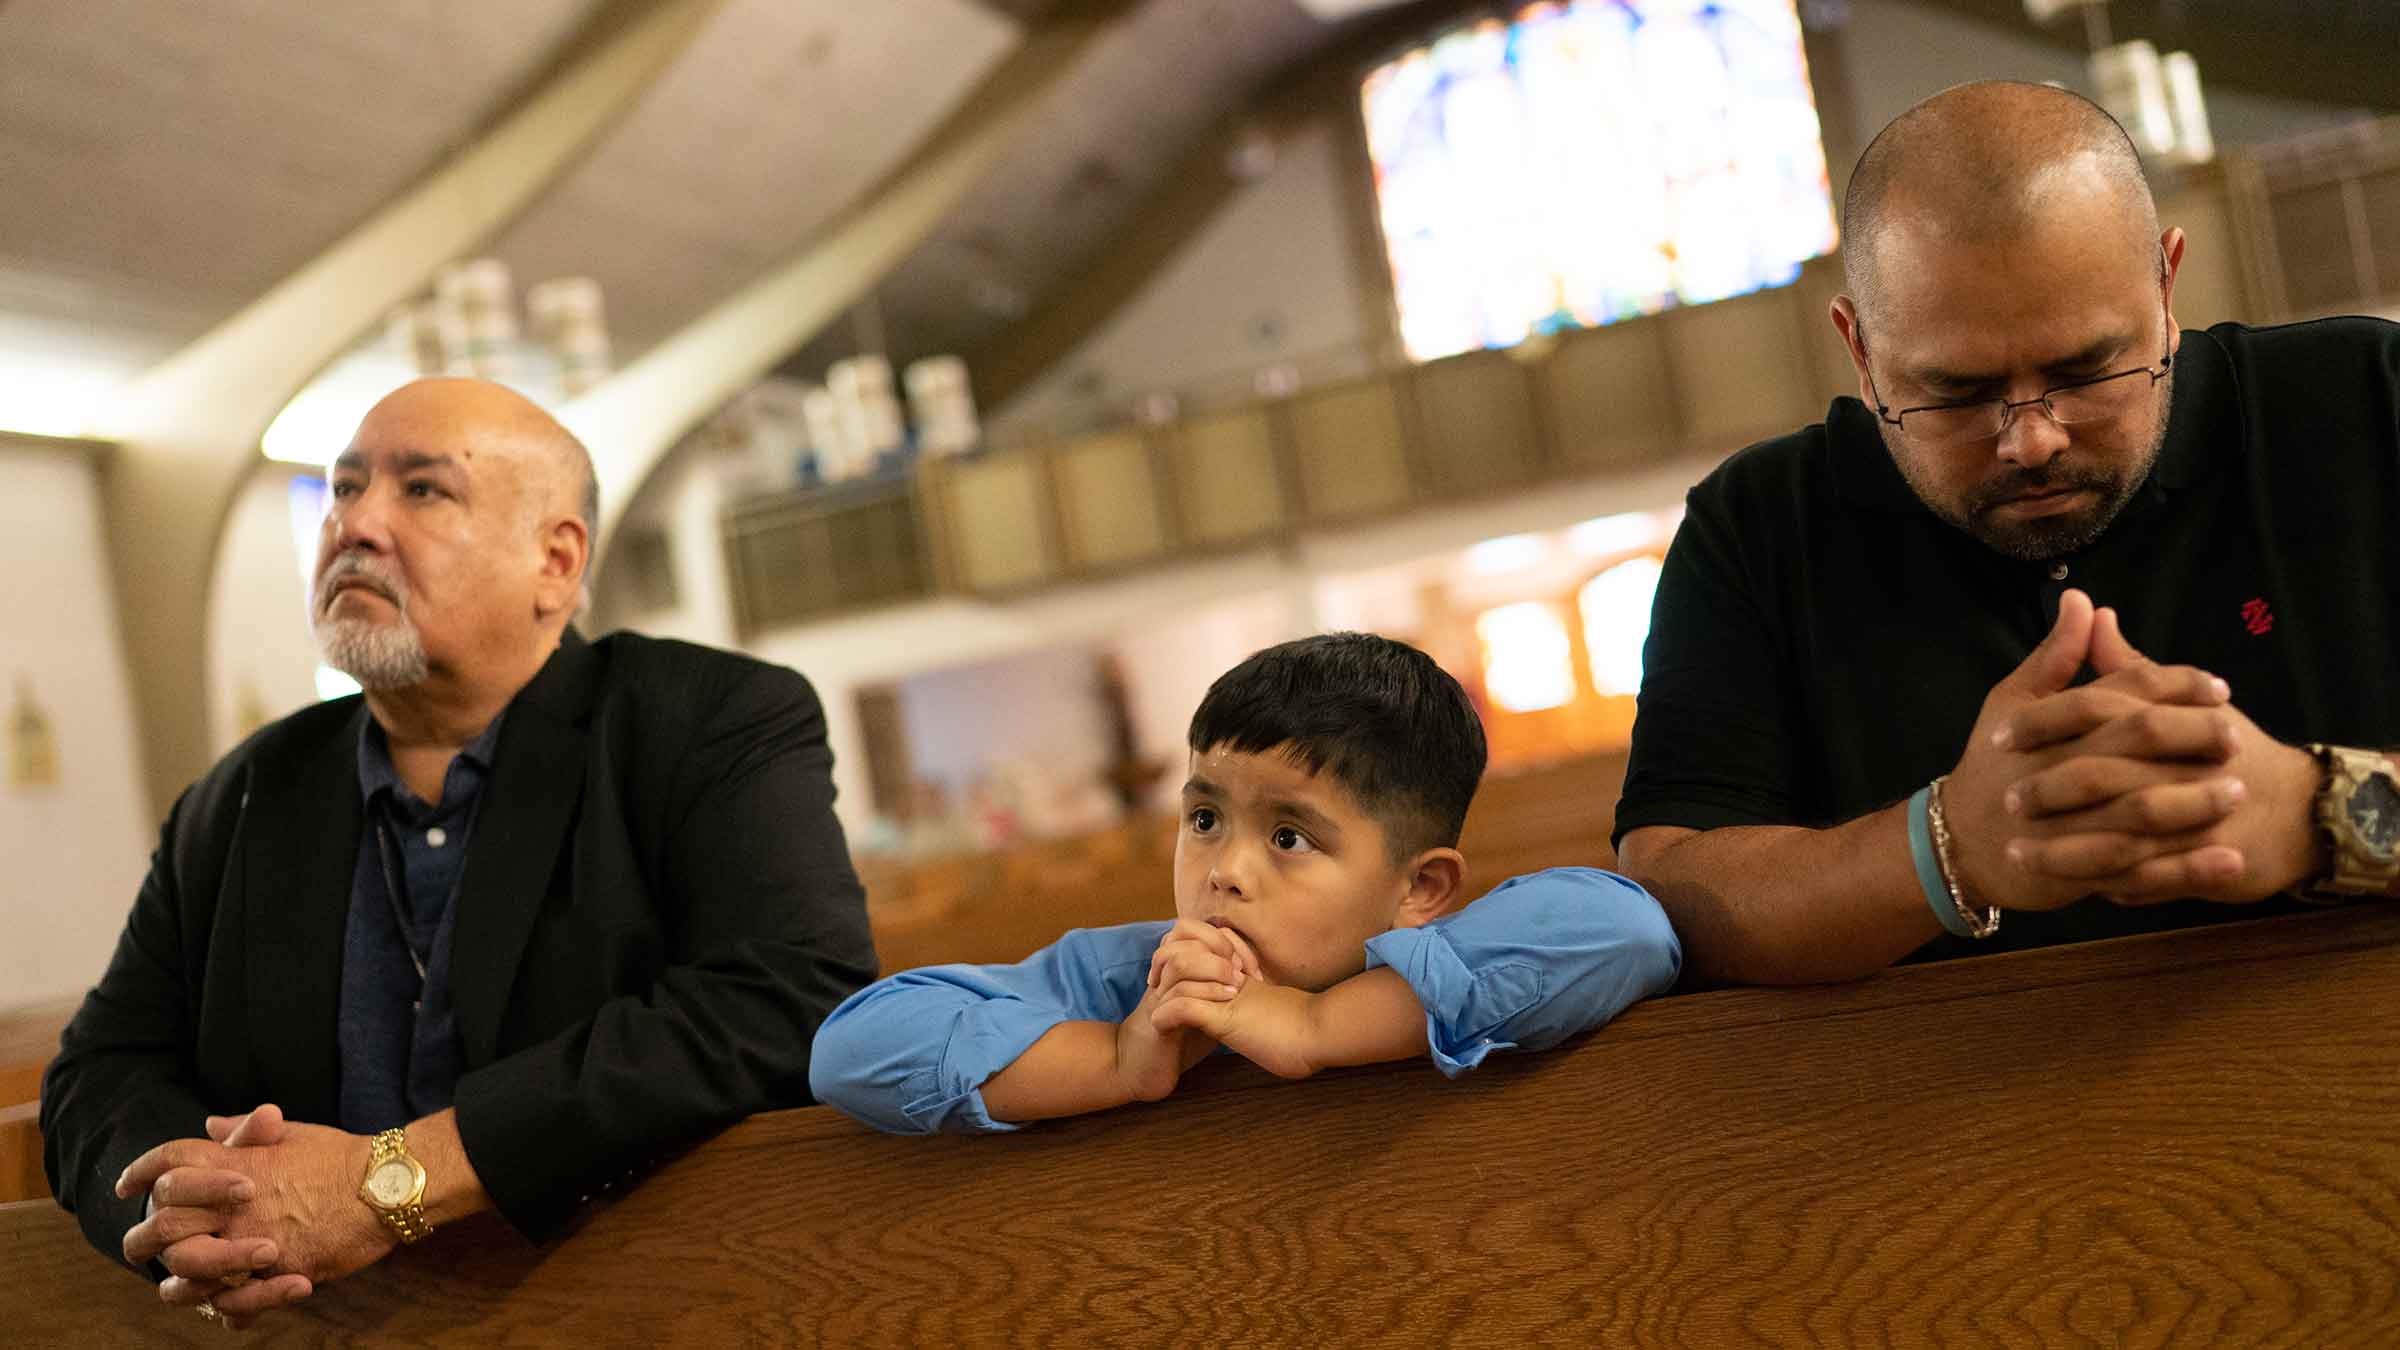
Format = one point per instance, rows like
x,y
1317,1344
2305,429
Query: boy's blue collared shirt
x,y
1537,960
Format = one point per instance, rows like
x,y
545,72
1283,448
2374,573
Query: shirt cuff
x,y
1462,1007
988,1037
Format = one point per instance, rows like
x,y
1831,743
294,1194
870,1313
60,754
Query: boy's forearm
x,y
1367,1019
1070,1070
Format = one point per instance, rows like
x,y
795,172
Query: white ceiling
x,y
782,113
162,163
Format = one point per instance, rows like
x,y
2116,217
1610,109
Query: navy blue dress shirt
x,y
397,1031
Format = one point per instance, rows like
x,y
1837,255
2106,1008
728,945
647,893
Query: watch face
x,y
392,1184
2374,811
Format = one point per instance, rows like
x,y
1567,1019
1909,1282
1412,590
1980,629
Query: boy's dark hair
x,y
1380,716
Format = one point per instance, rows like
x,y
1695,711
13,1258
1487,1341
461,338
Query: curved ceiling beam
x,y
188,430
631,420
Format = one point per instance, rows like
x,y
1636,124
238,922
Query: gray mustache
x,y
361,567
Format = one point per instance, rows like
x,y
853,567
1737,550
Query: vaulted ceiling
x,y
161,164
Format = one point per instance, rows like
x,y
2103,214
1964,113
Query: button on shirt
x,y
397,1032
1537,960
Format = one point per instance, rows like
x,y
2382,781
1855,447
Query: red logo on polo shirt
x,y
2257,617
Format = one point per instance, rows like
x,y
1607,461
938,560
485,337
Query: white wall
x,y
1040,707
262,663
74,853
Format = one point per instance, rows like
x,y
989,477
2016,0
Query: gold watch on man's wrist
x,y
2358,822
395,1187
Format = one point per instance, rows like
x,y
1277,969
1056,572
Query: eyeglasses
x,y
2094,400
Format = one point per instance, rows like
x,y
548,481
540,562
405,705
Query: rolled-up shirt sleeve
x,y
910,1053
1540,958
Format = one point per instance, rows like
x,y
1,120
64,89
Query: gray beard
x,y
378,656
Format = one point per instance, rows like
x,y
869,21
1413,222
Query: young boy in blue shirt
x,y
1316,878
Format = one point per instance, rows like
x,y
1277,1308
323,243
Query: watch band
x,y
2355,866
406,1220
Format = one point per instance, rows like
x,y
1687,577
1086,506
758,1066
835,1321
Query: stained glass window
x,y
1593,161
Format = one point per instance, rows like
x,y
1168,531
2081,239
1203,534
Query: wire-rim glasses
x,y
2094,400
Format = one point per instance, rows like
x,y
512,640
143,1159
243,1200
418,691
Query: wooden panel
x,y
2379,217
1482,433
1739,370
2313,243
1108,501
28,1042
2177,1139
1226,478
1351,449
29,1037
2208,287
826,551
21,1176
1612,397
997,514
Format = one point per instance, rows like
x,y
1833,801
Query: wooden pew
x,y
28,1038
2180,1139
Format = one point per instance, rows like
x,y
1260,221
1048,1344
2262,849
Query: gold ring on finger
x,y
208,1310
235,1280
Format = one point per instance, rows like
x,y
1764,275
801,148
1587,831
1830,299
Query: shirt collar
x,y
2202,413
1862,465
377,775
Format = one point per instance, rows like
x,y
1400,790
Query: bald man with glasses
x,y
2073,624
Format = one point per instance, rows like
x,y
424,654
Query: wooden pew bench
x,y
28,1039
2180,1139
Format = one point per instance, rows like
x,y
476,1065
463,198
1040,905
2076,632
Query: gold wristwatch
x,y
395,1187
2358,818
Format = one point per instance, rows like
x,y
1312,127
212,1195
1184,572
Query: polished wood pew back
x,y
2183,1139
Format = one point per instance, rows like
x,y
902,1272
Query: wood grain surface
x,y
2184,1139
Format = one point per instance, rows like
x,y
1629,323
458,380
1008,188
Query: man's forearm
x,y
1775,904
1072,1069
453,1190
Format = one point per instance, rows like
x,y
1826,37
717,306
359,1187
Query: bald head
x,y
1985,163
553,469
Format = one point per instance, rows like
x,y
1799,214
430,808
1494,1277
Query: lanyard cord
x,y
391,897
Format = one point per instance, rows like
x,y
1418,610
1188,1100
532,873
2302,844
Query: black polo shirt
x,y
1822,643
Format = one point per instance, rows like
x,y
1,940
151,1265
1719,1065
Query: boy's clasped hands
x,y
1206,989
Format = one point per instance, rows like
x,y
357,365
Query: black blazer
x,y
657,912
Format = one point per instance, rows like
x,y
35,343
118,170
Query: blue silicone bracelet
x,y
1929,868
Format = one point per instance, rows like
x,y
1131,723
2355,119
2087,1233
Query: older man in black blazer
x,y
529,914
